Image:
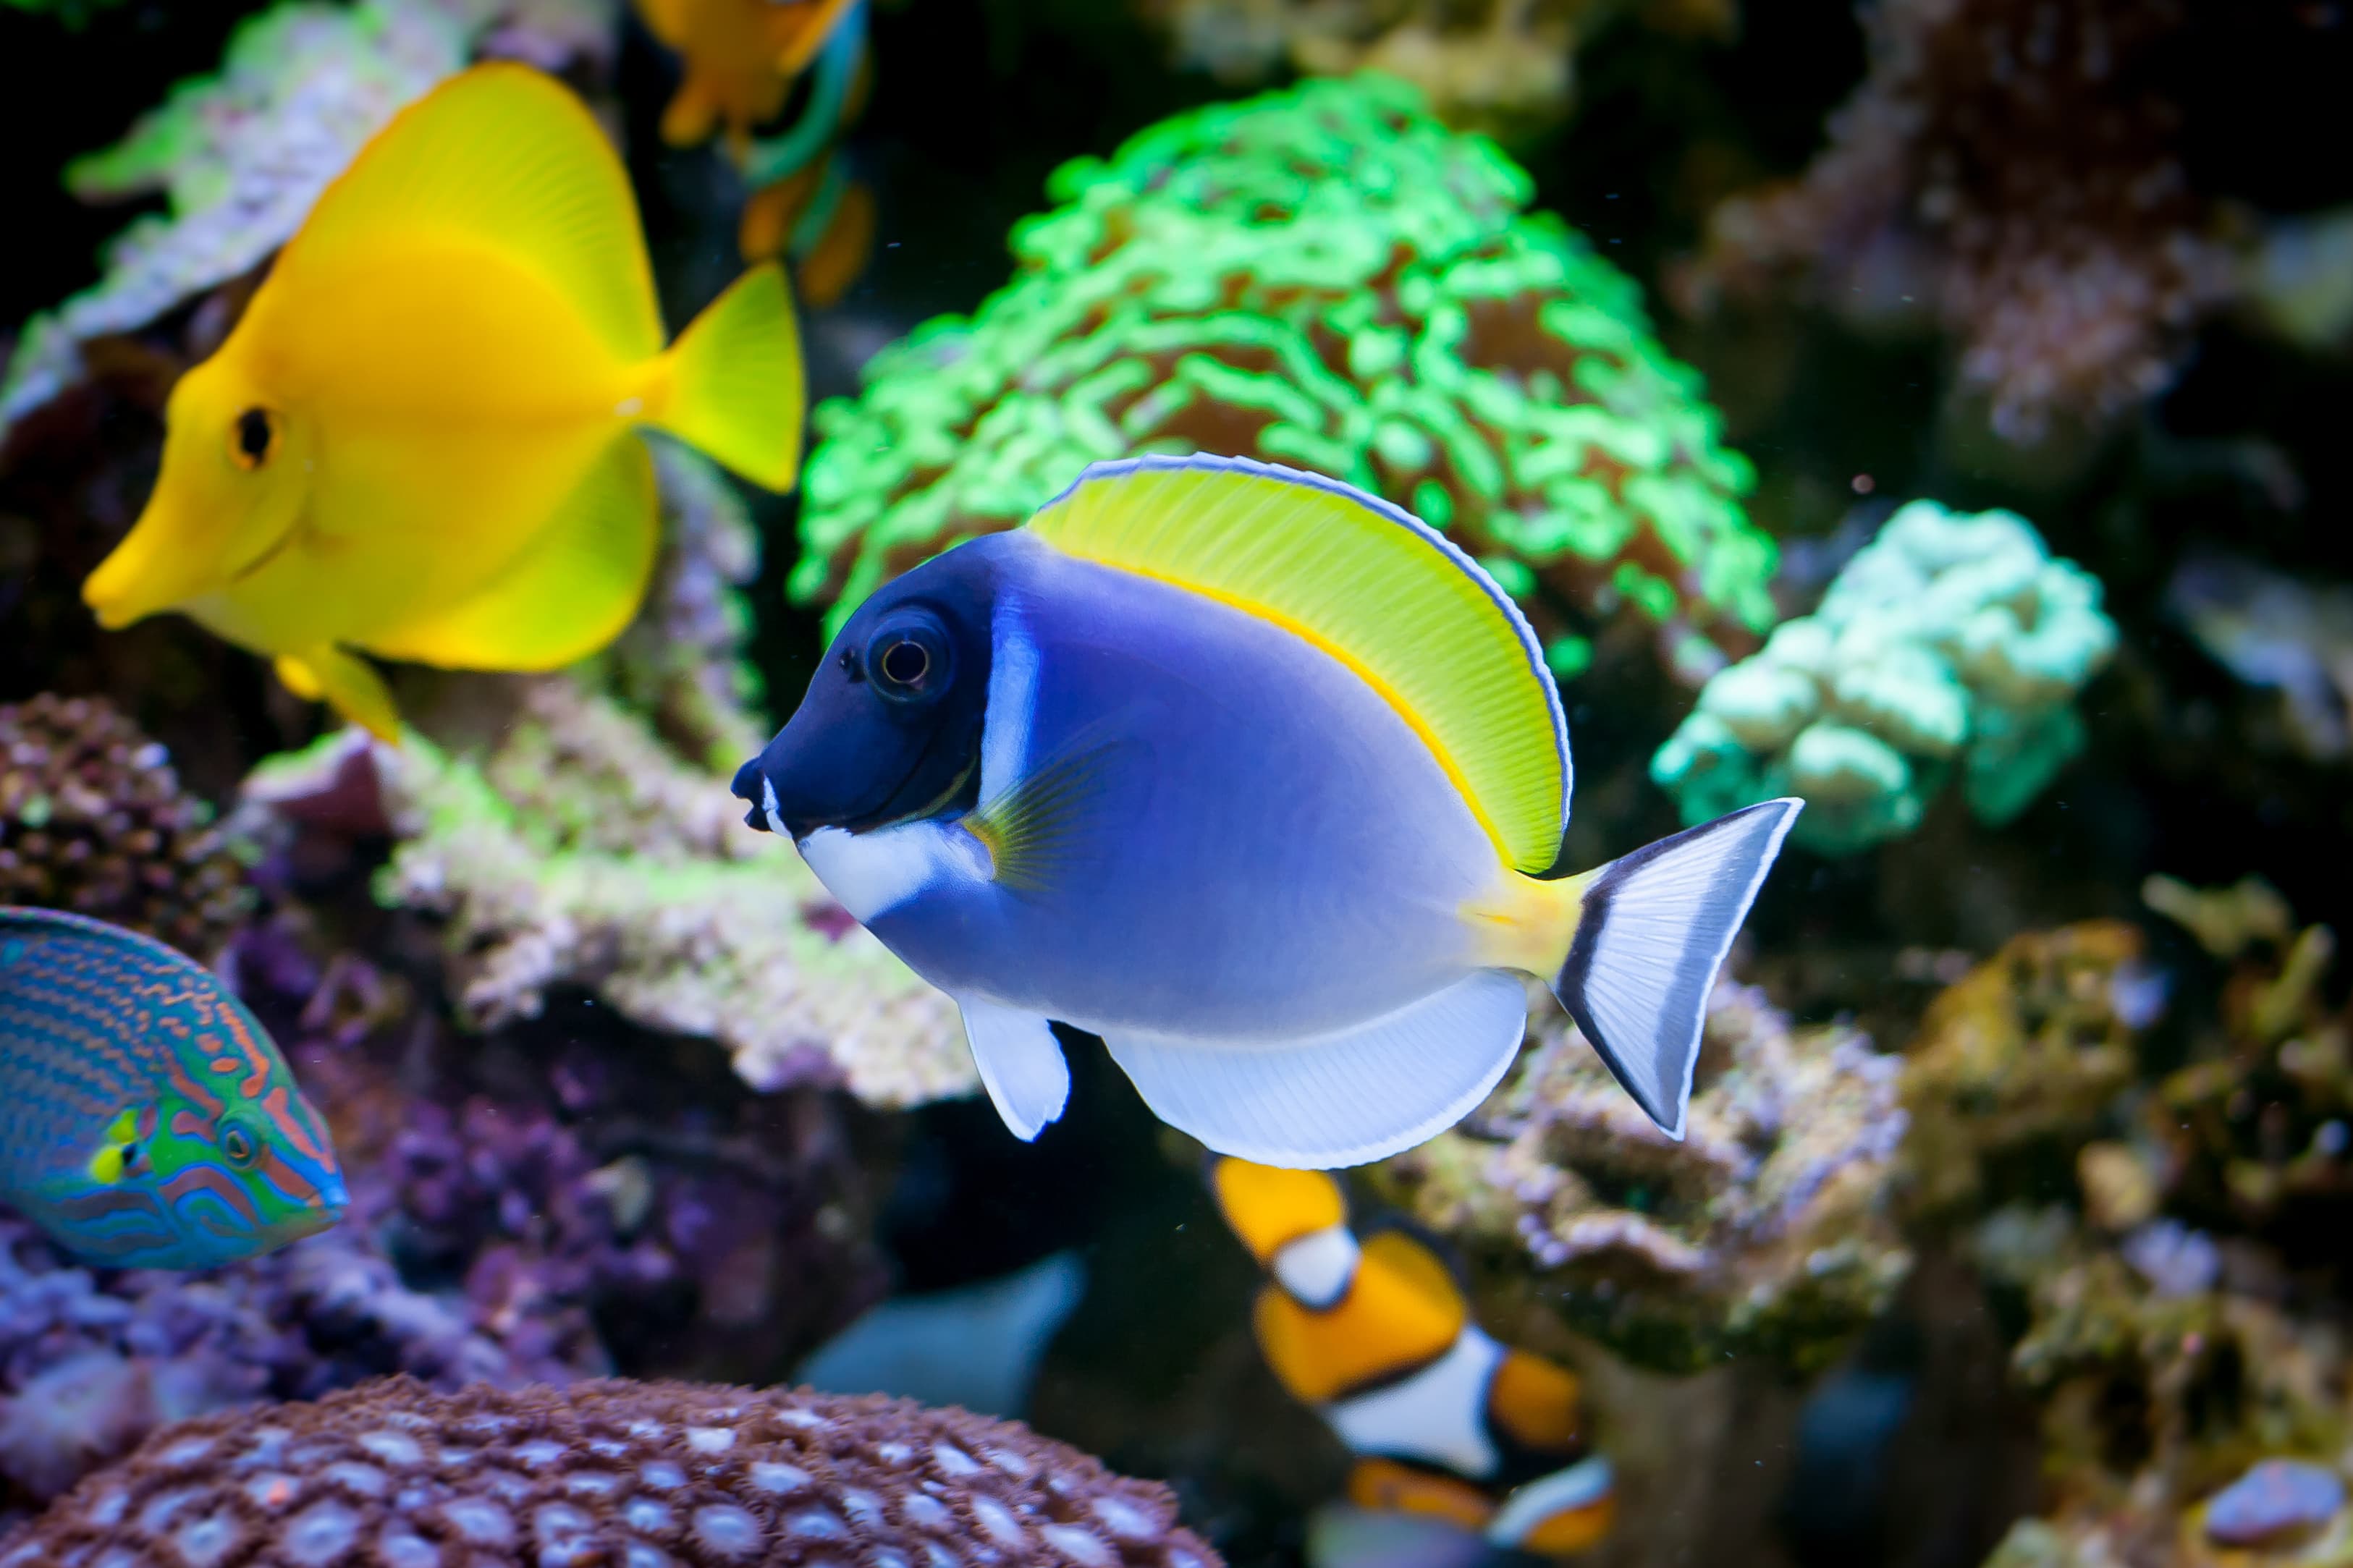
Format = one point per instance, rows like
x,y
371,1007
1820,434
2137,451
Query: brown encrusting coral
x,y
643,1474
92,819
2029,1047
1766,1230
2011,169
1505,66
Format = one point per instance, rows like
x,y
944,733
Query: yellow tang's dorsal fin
x,y
505,156
1373,586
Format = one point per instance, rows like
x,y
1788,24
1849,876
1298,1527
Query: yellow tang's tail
x,y
732,385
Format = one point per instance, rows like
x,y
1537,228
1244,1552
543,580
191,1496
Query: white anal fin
x,y
1653,931
1021,1062
1339,1100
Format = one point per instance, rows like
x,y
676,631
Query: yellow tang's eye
x,y
254,439
237,1144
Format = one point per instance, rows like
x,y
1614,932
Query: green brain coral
x,y
1325,277
1950,641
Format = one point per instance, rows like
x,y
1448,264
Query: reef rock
x,y
2030,1049
1499,66
617,1472
92,819
1949,643
574,849
1765,1230
1327,279
2010,170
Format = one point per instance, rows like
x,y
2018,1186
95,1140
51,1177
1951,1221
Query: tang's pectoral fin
x,y
1652,933
347,683
1050,822
1345,1098
570,591
1020,1063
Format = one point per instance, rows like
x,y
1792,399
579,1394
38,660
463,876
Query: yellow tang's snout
x,y
226,501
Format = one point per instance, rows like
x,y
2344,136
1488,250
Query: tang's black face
x,y
891,727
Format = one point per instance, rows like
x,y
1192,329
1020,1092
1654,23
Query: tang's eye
x,y
254,439
237,1145
908,658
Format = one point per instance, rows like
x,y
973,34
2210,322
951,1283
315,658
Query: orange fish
x,y
741,57
1374,1333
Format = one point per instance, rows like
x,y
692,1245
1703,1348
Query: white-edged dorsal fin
x,y
1340,1099
504,156
1379,589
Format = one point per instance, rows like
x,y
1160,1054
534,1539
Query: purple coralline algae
x,y
2275,1498
642,1474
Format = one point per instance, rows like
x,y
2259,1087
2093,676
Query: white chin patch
x,y
869,873
768,807
1317,1268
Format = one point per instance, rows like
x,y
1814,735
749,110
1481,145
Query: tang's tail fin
x,y
731,383
1651,934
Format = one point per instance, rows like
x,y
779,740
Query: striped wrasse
x,y
147,1121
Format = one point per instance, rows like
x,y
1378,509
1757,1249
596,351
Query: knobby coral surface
x,y
1950,642
1765,1230
1500,66
2009,168
92,819
242,155
644,1474
1328,279
90,1362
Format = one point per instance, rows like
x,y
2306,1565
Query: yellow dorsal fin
x,y
1378,589
503,156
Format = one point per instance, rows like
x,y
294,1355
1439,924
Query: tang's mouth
x,y
752,784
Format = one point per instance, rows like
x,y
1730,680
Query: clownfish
x,y
147,1120
1253,775
420,441
1372,1331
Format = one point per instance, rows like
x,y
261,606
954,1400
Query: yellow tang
x,y
418,442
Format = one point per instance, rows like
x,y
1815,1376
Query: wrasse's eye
x,y
237,1143
254,439
909,659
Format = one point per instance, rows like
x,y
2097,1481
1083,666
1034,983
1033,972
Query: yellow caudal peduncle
x,y
1525,923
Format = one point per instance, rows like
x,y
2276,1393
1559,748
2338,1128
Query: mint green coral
x,y
1330,278
1951,641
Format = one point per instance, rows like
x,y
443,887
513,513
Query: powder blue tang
x,y
1155,767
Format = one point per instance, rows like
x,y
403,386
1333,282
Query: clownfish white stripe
x,y
1435,1415
1580,1486
1317,1270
